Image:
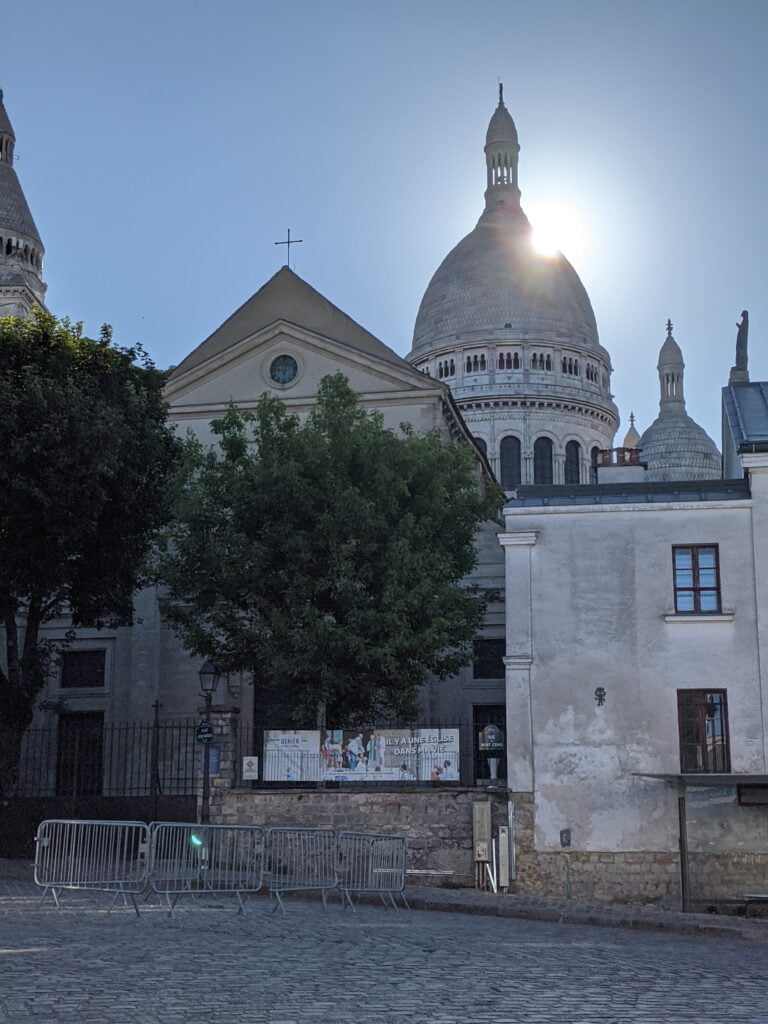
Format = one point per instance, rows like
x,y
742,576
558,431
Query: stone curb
x,y
705,925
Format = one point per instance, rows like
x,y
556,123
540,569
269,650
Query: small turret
x,y
675,447
21,250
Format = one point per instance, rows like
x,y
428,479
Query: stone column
x,y
756,463
518,549
226,725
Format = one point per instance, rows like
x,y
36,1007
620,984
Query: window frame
x,y
696,589
686,701
79,651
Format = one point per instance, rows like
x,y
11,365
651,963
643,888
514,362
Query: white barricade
x,y
189,859
299,860
372,862
96,856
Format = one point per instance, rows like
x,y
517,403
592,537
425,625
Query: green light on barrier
x,y
195,840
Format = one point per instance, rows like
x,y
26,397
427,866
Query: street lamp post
x,y
209,680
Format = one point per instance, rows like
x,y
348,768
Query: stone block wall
x,y
437,823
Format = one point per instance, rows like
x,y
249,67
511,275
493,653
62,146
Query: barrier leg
x,y
172,903
241,908
406,904
278,902
52,890
346,898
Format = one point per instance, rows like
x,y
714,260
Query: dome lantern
x,y
501,156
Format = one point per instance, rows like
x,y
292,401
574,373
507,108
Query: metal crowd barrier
x,y
372,862
174,859
188,859
97,856
299,860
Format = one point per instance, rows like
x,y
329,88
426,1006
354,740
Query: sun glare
x,y
556,228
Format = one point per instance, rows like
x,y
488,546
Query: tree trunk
x,y
11,735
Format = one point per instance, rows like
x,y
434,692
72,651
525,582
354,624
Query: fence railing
x,y
83,758
412,754
174,859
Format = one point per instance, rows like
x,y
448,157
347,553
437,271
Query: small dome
x,y
675,447
501,128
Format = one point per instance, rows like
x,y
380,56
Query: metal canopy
x,y
706,778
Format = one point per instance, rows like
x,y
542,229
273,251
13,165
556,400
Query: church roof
x,y
495,281
6,128
501,127
494,284
675,447
288,297
14,210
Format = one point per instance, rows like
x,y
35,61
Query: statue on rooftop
x,y
739,371
741,341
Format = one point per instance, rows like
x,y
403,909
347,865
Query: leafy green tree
x,y
84,455
328,557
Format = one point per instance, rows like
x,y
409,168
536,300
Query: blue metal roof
x,y
625,494
746,406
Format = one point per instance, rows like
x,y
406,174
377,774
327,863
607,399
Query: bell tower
x,y
21,251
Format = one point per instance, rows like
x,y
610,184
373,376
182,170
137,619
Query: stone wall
x,y
437,823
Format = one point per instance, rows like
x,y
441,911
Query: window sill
x,y
699,617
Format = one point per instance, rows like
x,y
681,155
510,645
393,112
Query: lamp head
x,y
209,677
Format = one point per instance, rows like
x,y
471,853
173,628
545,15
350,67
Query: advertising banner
x,y
362,755
292,755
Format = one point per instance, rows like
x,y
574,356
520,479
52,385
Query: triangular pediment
x,y
288,318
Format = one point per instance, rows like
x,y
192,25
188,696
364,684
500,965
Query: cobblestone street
x,y
209,965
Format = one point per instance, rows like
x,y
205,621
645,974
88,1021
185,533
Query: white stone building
x,y
637,625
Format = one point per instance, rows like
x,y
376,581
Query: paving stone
x,y
82,964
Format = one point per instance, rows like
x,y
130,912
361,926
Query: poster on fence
x,y
362,755
292,755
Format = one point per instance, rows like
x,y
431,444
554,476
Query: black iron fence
x,y
81,756
414,754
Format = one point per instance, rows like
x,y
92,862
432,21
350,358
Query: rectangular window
x,y
489,659
702,717
82,669
697,578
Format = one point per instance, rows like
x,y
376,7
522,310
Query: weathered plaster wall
x,y
589,593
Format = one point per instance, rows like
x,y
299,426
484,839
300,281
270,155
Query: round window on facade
x,y
283,369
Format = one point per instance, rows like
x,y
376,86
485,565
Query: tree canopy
x,y
84,457
329,557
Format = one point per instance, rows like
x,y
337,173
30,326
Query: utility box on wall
x,y
481,830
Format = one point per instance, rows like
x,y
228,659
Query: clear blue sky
x,y
165,145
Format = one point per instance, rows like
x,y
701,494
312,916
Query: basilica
x,y
631,573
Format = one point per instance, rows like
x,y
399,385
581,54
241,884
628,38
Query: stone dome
x,y
675,447
494,282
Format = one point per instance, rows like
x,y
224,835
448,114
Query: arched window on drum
x,y
572,462
510,463
542,461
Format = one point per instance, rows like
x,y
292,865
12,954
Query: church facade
x,y
630,577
